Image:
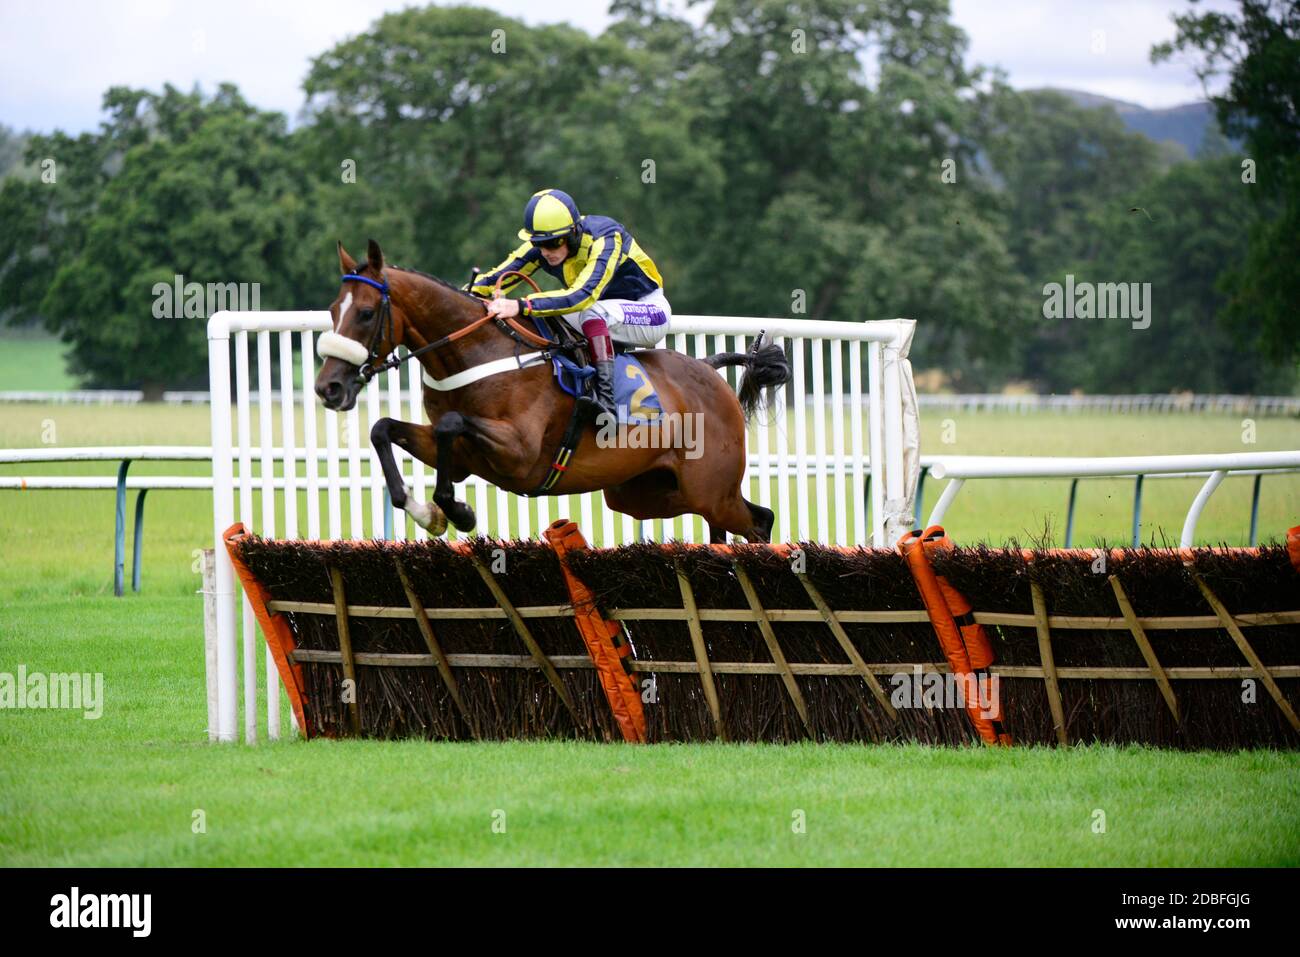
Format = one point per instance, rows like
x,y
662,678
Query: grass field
x,y
33,362
134,786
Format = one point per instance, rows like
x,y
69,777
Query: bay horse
x,y
505,422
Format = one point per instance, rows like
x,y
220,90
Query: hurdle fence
x,y
1150,648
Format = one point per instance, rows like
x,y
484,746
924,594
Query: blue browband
x,y
381,286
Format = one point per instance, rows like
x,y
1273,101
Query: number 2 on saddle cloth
x,y
634,393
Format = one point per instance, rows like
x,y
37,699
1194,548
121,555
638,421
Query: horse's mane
x,y
361,268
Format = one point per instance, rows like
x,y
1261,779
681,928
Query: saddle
x,y
571,360
570,357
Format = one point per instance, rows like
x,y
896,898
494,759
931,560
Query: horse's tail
x,y
766,367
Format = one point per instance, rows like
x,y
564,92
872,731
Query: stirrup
x,y
592,408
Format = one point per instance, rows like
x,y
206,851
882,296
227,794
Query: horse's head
x,y
367,327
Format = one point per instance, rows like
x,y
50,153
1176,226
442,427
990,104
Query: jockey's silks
x,y
608,264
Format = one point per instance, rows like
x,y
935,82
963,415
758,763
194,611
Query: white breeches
x,y
637,322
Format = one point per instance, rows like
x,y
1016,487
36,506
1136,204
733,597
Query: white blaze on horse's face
x,y
344,306
334,345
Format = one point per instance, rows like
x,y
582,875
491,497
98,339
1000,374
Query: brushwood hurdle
x,y
834,454
676,642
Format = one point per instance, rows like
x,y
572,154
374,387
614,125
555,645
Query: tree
x,y
1259,50
1190,231
833,119
204,189
835,159
1060,171
12,147
45,215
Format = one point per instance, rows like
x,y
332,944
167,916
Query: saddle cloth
x,y
634,393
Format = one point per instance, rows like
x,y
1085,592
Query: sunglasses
x,y
555,243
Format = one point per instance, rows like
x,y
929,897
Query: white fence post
x,y
893,412
876,434
223,516
1198,505
960,468
209,560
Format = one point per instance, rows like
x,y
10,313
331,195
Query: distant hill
x,y
1184,125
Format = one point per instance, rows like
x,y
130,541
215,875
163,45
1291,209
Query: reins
x,y
383,329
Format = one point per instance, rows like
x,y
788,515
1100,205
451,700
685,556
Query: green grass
x,y
33,362
125,789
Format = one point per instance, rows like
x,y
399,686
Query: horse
x,y
495,416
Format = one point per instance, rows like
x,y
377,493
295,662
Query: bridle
x,y
383,328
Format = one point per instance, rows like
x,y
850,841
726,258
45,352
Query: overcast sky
x,y
57,57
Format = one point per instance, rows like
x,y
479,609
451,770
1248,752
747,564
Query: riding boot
x,y
601,398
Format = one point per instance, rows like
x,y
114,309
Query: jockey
x,y
611,287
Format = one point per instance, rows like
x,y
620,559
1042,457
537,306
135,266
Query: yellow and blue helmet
x,y
550,214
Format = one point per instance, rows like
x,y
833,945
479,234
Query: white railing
x,y
100,396
848,424
1159,404
1215,467
973,402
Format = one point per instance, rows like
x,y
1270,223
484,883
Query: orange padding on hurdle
x,y
274,629
1293,546
603,638
966,647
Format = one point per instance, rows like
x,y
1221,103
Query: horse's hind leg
x,y
763,519
451,426
740,517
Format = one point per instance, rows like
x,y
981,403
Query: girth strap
x,y
564,454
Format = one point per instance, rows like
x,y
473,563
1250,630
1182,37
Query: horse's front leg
x,y
419,441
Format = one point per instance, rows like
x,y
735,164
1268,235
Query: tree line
x,y
834,159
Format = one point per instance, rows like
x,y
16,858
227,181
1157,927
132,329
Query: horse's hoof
x,y
427,515
463,517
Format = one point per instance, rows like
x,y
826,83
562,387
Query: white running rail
x,y
959,469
